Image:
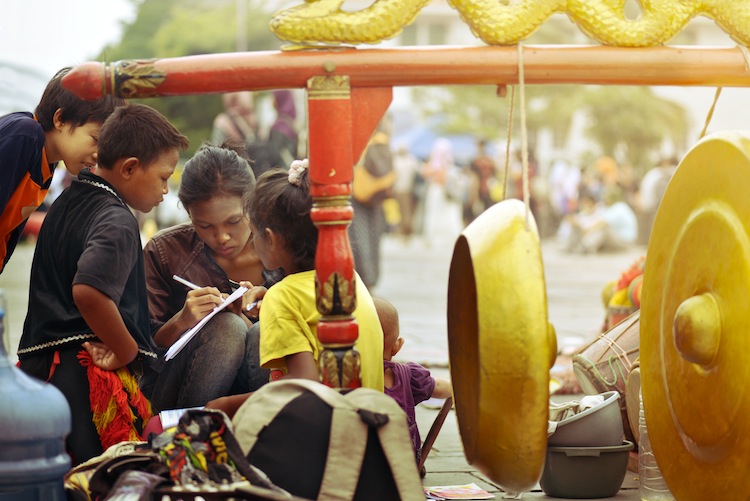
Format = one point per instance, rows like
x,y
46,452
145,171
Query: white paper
x,y
180,343
171,417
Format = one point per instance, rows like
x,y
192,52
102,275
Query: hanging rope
x,y
710,112
524,138
507,142
746,56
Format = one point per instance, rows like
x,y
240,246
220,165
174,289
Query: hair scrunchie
x,y
296,170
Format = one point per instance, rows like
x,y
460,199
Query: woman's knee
x,y
225,332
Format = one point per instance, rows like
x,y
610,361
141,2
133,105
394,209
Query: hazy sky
x,y
49,34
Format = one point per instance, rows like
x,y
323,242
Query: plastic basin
x,y
598,426
585,472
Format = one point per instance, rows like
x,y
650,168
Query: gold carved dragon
x,y
507,22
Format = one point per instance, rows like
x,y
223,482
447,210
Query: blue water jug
x,y
34,421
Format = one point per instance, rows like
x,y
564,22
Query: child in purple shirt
x,y
408,383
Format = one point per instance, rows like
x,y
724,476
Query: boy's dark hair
x,y
137,130
285,208
75,110
216,170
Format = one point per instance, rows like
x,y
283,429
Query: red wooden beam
x,y
408,66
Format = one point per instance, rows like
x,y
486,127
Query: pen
x,y
193,286
186,282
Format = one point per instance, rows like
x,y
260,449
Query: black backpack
x,y
320,443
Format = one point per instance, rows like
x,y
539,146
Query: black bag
x,y
320,443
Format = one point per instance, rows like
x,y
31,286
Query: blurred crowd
x,y
588,208
599,206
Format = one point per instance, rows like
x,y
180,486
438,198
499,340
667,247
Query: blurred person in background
x,y
283,138
406,166
443,202
610,226
481,178
371,186
653,186
239,122
564,179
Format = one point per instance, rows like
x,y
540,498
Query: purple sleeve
x,y
422,383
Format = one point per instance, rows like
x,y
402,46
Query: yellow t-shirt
x,y
289,325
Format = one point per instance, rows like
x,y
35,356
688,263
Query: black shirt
x,y
91,237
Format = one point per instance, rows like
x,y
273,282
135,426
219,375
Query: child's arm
x,y
228,404
443,388
302,365
101,314
251,299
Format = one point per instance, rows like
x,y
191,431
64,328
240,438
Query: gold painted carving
x,y
507,22
136,78
336,295
350,368
339,367
328,87
329,368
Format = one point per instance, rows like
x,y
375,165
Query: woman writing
x,y
213,250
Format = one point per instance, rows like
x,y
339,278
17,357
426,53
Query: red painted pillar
x,y
336,142
330,154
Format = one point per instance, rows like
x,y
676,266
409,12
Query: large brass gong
x,y
695,323
501,345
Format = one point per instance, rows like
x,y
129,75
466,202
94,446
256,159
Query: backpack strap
x,y
346,452
394,440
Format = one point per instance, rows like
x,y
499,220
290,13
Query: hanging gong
x,y
695,323
501,346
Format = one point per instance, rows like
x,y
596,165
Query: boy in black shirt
x,y
87,330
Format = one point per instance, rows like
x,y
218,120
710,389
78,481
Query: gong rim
x,y
499,344
694,322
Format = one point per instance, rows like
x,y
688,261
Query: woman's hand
x,y
102,356
199,303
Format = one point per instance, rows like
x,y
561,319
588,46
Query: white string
x,y
746,56
507,141
524,138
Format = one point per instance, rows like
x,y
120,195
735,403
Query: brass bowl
x,y
501,345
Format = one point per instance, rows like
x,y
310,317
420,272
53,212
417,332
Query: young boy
x,y
88,310
63,128
408,383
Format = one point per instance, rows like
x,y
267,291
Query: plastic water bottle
x,y
652,485
34,419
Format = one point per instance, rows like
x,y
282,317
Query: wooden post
x,y
336,142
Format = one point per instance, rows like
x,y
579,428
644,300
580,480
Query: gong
x,y
501,346
695,323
